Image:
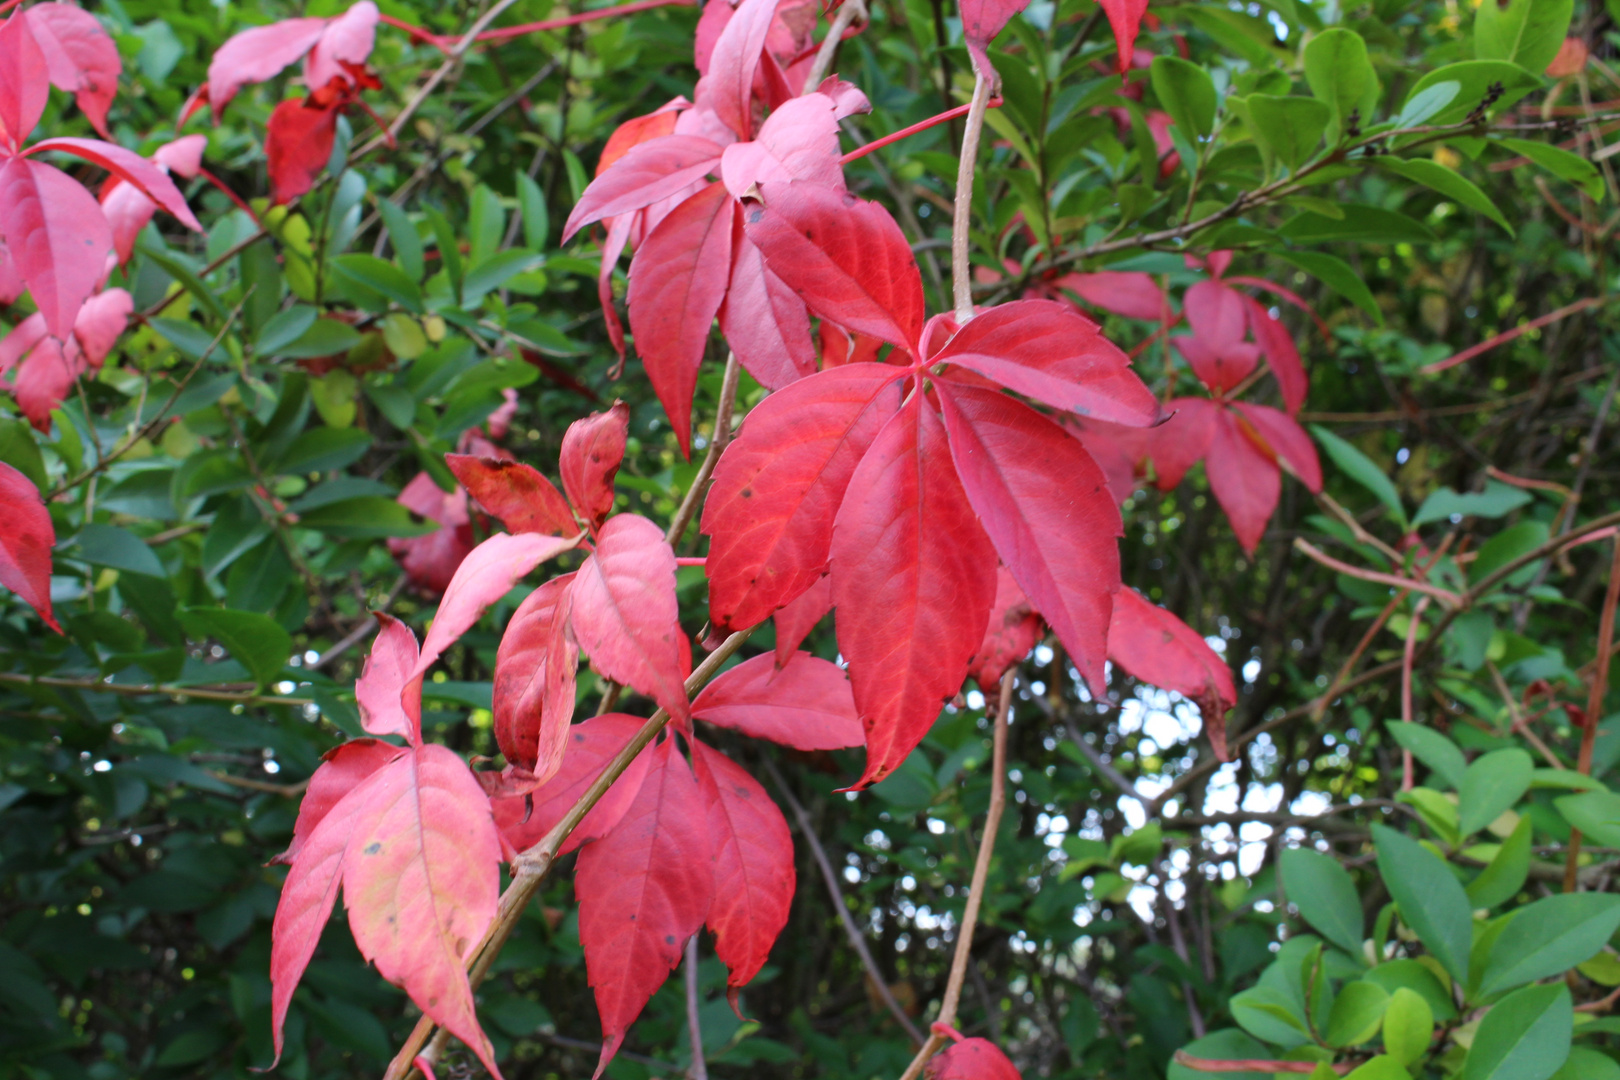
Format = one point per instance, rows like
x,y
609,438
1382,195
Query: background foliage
x,y
225,491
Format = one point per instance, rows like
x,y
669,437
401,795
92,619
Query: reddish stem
x,y
443,43
907,132
1509,335
241,204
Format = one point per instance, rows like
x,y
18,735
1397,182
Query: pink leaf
x,y
799,141
795,620
80,56
1158,648
525,501
972,1059
258,54
422,879
1015,627
913,577
764,321
677,283
183,155
534,680
590,746
728,86
1286,439
1130,293
24,79
101,320
592,449
753,869
625,615
846,257
1244,478
1047,508
643,890
1044,350
20,340
1281,353
1183,440
342,769
806,704
1219,368
26,539
779,484
56,234
347,39
384,707
483,577
43,381
982,20
648,172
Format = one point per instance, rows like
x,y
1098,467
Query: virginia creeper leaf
x,y
26,539
972,1059
24,78
1244,477
590,744
1158,648
56,234
257,54
534,680
525,501
384,710
648,172
795,620
805,704
764,321
342,769
80,57
592,449
1014,628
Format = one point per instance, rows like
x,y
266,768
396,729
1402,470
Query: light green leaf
x,y
1584,1064
1527,32
1360,468
1505,875
1382,1067
1270,1014
1451,184
1290,126
1408,1026
1562,163
1339,73
1187,94
1430,899
1325,896
1357,1013
1492,784
1525,1036
1474,79
1548,938
1421,106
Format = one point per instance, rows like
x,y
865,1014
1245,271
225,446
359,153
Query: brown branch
x,y
1594,703
98,686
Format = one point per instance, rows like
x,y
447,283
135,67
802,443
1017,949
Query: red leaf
x,y
913,578
24,79
1047,508
643,890
1183,440
846,257
1130,293
806,704
1125,17
534,680
982,20
342,769
421,874
525,501
640,129
764,321
590,746
677,283
1158,648
728,86
80,56
431,561
799,141
1015,627
1217,352
1281,353
1244,478
1117,450
347,41
613,245
56,233
648,172
483,577
778,486
716,14
309,894
43,381
1220,369
972,1059
592,449
101,320
384,709
625,614
1045,350
297,146
1286,440
258,54
26,539
795,620
130,167
753,868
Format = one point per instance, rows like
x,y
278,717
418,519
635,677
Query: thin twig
x,y
1407,657
99,686
848,12
717,446
699,1069
962,223
1594,703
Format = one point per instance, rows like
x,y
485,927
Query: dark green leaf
x,y
1325,896
1430,899
253,640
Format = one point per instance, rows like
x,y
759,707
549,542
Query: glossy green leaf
x,y
1448,182
380,277
255,641
1408,1026
1360,468
1595,813
1562,163
1505,874
1492,784
1525,1036
1341,75
1358,1012
1325,895
1548,938
1291,127
1439,753
1186,92
1337,275
402,234
1527,32
1431,900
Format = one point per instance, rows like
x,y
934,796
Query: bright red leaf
x,y
431,561
795,620
80,57
592,449
298,146
57,236
26,539
646,173
342,769
1130,293
806,704
644,889
1158,648
591,744
263,52
534,680
525,501
1015,626
1125,18
972,1059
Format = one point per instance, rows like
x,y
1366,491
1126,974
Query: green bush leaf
x,y
381,277
1525,1036
1325,895
1337,275
1290,126
1548,938
1408,1026
1492,784
1339,73
1187,94
1527,32
1436,751
1430,899
1595,813
255,641
1357,1013
1563,164
1505,875
1448,182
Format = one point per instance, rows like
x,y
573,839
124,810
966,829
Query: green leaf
x,y
1325,895
1474,79
283,328
1339,73
324,448
532,205
1408,1026
1497,500
1290,126
1595,813
1337,275
120,549
366,517
255,641
1228,1044
1186,92
486,223
1421,106
1412,975
1382,1067
1563,164
1438,813
1451,184
192,340
381,277
1506,546
19,450
1272,1015
1548,938
1527,32
1357,1013
1505,874
1492,784
182,273
1430,899
1360,468
1525,1036
1584,1064
448,246
403,235
324,337
495,271
1360,224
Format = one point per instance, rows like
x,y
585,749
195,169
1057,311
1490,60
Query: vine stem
x,y
848,13
699,1069
981,873
530,867
1594,703
1408,656
961,224
717,446
97,685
